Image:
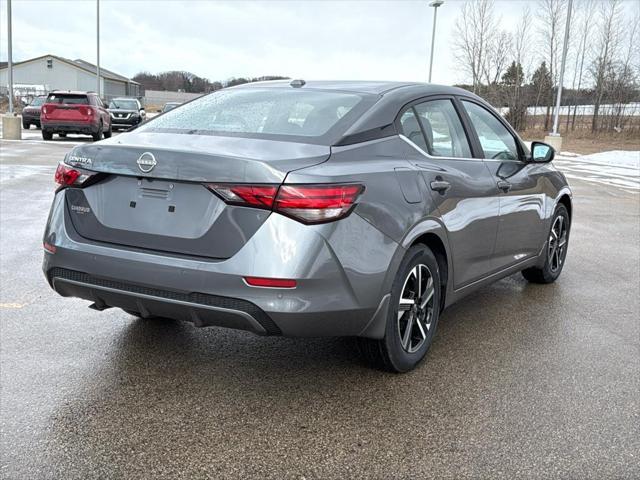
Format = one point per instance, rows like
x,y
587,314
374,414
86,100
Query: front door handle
x,y
440,186
504,185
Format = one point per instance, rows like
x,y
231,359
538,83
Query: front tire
x,y
26,125
413,314
555,249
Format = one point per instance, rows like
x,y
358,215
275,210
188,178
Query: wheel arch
x,y
565,199
433,235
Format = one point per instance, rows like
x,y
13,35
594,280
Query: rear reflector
x,y
305,203
270,282
49,248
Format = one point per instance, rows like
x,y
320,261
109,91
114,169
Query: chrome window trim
x,y
431,157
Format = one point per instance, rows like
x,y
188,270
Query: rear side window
x,y
496,141
263,112
443,129
69,99
411,129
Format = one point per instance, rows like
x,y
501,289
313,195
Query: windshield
x,y
36,102
262,113
69,99
169,106
123,104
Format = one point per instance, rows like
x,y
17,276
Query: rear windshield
x,y
279,113
68,98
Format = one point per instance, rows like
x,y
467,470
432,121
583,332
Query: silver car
x,y
300,208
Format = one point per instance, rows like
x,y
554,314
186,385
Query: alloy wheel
x,y
557,243
415,308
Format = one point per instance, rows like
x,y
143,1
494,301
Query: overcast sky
x,y
380,40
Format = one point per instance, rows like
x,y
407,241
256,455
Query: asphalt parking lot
x,y
523,381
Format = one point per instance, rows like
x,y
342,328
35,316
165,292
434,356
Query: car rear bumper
x,y
70,127
341,290
31,118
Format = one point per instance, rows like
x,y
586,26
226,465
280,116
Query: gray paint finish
x,y
344,269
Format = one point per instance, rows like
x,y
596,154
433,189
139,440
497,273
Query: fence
x,y
611,117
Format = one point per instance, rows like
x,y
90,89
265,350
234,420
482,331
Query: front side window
x,y
262,112
443,129
496,141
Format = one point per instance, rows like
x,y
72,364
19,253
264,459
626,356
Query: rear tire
x,y
413,314
62,135
98,135
555,250
108,133
46,135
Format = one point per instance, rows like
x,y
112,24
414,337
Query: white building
x,y
58,73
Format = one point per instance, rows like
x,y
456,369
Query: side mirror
x,y
142,112
541,152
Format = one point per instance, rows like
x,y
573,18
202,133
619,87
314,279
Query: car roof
x,y
71,92
376,87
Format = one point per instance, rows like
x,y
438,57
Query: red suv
x,y
74,112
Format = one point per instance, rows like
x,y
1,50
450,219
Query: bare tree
x,y
474,31
586,9
499,50
607,44
552,16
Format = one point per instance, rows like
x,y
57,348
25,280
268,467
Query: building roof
x,y
81,64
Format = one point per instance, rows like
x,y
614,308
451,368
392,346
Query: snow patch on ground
x,y
619,168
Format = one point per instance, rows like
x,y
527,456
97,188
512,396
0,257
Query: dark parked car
x,y
126,113
31,113
74,112
322,208
170,106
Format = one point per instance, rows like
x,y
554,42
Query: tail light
x,y
68,176
306,203
86,111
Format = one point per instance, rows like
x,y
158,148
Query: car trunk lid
x,y
152,193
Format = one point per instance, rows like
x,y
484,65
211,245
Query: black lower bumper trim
x,y
195,300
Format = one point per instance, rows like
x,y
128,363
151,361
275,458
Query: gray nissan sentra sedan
x,y
309,208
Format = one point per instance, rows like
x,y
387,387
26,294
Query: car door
x,y
461,187
520,228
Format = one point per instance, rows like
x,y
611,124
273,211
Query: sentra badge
x,y
76,159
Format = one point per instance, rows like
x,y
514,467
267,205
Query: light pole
x,y
9,59
564,59
98,45
435,4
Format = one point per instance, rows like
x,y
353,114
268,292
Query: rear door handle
x,y
504,185
440,186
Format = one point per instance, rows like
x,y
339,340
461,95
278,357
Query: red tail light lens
x,y
317,203
270,282
305,203
258,196
69,176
